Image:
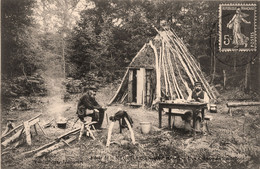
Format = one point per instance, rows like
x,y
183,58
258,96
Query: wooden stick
x,y
41,129
13,138
158,81
123,98
75,122
168,78
21,125
9,127
109,133
161,69
65,142
131,130
171,73
34,126
54,147
90,132
224,83
70,132
235,104
119,88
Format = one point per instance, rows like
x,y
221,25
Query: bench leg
x,y
230,111
207,127
169,119
90,132
173,122
81,130
120,125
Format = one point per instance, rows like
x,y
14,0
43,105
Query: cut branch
x,y
54,147
158,79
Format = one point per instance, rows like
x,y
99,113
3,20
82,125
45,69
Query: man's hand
x,y
96,114
201,100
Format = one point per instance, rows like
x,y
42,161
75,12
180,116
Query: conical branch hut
x,y
163,68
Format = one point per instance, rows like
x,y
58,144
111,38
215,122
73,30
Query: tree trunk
x,y
247,78
63,58
214,61
224,83
235,64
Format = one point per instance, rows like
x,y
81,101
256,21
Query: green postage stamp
x,y
237,27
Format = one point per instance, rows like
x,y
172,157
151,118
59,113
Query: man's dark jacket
x,y
88,102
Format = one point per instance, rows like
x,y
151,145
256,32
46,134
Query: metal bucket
x,y
145,127
61,125
213,108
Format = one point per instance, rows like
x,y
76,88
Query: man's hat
x,y
197,83
88,88
93,88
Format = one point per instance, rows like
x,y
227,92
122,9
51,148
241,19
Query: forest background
x,y
84,39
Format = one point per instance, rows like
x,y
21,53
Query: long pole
x,y
63,57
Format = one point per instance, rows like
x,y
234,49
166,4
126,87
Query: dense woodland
x,y
73,39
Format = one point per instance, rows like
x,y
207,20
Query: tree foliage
x,y
108,34
18,54
111,32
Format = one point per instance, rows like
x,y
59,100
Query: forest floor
x,y
233,143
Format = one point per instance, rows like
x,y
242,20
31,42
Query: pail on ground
x,y
145,127
213,108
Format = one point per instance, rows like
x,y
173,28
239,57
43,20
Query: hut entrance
x,y
134,86
139,85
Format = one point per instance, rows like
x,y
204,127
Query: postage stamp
x,y
237,27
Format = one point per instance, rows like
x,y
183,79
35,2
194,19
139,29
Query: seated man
x,y
197,95
88,102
